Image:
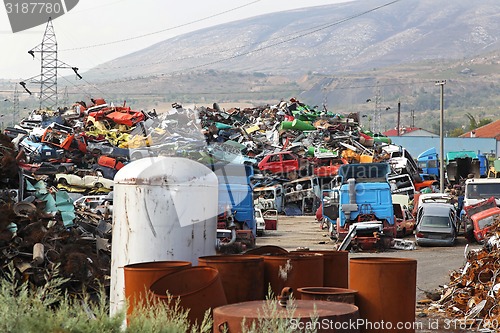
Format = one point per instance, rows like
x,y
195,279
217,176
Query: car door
x,y
274,164
289,162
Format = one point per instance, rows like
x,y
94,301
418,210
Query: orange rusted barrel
x,y
386,293
266,249
198,289
329,294
336,267
242,276
140,276
297,317
293,270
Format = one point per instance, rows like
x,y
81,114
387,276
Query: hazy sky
x,y
94,22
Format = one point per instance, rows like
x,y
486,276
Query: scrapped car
x,y
436,225
58,135
37,152
89,201
100,148
107,166
282,163
328,166
84,179
13,132
231,151
482,217
405,223
260,223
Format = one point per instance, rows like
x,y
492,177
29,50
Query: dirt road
x,y
434,264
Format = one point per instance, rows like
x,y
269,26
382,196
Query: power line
x,y
218,51
263,47
163,30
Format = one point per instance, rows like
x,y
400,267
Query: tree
x,y
456,132
473,124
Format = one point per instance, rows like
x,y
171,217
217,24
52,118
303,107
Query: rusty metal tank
x,y
267,249
242,276
293,270
198,289
336,267
164,208
329,294
386,292
139,278
284,315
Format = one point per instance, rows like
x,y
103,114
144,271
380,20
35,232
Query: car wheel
x,y
136,156
62,169
62,181
98,185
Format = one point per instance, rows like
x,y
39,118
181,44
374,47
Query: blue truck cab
x,y
428,162
235,194
365,201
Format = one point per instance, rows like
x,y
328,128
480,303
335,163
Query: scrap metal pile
x,y
51,159
473,292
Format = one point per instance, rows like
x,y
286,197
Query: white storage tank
x,y
164,208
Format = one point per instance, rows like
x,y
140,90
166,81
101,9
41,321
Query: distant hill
x,y
325,39
333,55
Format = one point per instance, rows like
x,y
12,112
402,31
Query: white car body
x,y
87,181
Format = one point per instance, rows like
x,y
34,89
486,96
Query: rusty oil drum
x,y
293,270
386,292
329,294
330,316
242,276
140,276
336,267
198,288
267,249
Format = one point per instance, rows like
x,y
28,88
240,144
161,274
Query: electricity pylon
x,y
49,66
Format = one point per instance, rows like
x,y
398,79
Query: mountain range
x,y
339,38
359,56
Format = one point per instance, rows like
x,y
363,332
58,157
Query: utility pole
x,y
378,113
15,113
441,135
399,116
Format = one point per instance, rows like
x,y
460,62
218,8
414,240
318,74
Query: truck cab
x,y
235,194
269,197
365,205
481,189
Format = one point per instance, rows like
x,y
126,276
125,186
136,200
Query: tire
x,y
98,185
62,181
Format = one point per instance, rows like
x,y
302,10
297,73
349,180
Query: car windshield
x,y
482,190
436,221
487,221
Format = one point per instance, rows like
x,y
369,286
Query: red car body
x,y
281,163
328,167
482,216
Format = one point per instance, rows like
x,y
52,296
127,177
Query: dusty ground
x,y
433,264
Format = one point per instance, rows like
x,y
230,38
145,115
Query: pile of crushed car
x,y
57,170
472,293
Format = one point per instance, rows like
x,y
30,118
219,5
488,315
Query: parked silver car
x,y
436,224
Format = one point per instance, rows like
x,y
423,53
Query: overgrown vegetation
x,y
25,308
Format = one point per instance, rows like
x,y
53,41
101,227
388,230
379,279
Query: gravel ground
x,y
433,264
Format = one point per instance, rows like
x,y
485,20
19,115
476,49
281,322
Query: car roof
x,y
434,207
